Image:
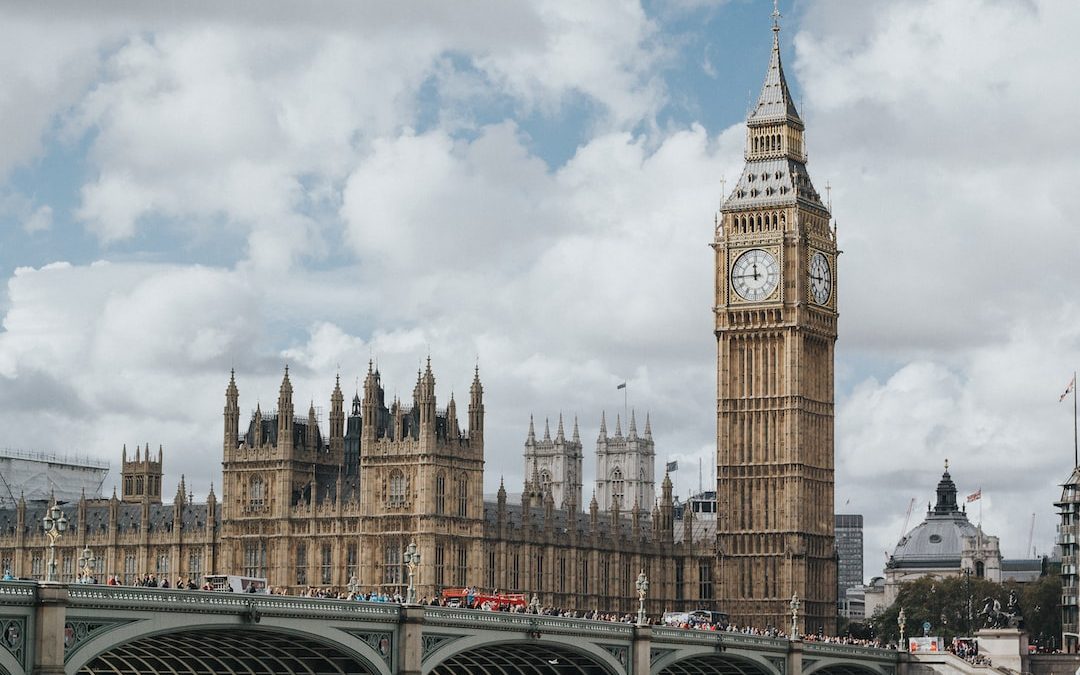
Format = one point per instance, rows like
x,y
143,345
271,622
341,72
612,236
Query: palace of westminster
x,y
306,509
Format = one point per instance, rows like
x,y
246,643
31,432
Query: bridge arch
x,y
225,648
703,660
545,654
8,664
843,667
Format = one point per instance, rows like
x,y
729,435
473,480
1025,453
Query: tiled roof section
x,y
779,181
774,104
517,520
129,517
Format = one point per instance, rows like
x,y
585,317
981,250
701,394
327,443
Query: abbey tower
x,y
775,330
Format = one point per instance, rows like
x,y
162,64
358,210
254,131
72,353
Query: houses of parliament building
x,y
306,509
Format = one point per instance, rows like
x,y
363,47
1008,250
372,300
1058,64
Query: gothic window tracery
x,y
257,492
463,496
617,486
396,492
440,493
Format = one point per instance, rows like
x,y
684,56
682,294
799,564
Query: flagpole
x,y
1076,456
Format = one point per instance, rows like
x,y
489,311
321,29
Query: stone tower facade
x,y
775,260
140,478
554,465
625,467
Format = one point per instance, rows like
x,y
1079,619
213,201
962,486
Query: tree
x,y
951,606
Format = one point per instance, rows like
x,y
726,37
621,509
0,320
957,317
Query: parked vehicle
x,y
459,597
237,584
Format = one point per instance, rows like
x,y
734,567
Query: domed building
x,y
945,544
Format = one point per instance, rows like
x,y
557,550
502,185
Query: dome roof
x,y
938,540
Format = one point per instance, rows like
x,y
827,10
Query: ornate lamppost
x,y
412,559
794,604
86,564
901,621
353,586
642,586
55,523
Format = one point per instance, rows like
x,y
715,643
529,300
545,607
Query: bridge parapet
x,y
478,618
157,599
727,638
848,651
18,592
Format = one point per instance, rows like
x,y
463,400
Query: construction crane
x,y
907,518
1031,535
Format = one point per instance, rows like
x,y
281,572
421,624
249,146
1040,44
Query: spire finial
x,y
776,16
946,464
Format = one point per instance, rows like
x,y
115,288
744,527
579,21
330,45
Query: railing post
x,y
411,642
794,657
641,652
50,617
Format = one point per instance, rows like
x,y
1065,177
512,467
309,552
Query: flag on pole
x,y
1068,389
672,466
621,386
974,496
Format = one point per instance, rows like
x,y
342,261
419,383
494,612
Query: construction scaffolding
x,y
42,476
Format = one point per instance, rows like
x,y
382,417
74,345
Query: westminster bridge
x,y
51,629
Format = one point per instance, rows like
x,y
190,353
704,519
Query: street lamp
x,y
353,586
642,590
794,616
55,523
86,564
412,559
901,621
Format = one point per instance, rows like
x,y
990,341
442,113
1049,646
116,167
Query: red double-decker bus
x,y
459,597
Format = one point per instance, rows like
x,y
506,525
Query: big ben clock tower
x,y
775,330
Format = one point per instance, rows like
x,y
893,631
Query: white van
x,y
237,584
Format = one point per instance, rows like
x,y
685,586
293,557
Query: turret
x,y
373,397
337,419
258,440
285,415
476,411
426,401
560,437
231,415
632,432
452,429
603,426
667,506
311,438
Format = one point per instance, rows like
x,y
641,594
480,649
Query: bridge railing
x,y
159,599
847,651
479,618
18,592
710,637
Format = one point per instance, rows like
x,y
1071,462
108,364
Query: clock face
x,y
755,275
820,278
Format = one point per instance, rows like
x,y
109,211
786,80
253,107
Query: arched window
x,y
257,492
617,487
440,493
980,569
545,480
463,496
396,492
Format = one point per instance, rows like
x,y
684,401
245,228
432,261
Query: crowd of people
x,y
965,649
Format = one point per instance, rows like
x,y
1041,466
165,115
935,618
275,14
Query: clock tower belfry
x,y
775,331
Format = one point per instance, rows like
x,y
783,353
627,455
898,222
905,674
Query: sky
x,y
530,187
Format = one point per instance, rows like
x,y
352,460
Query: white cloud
x,y
388,211
41,219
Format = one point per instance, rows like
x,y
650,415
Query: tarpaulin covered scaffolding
x,y
40,476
